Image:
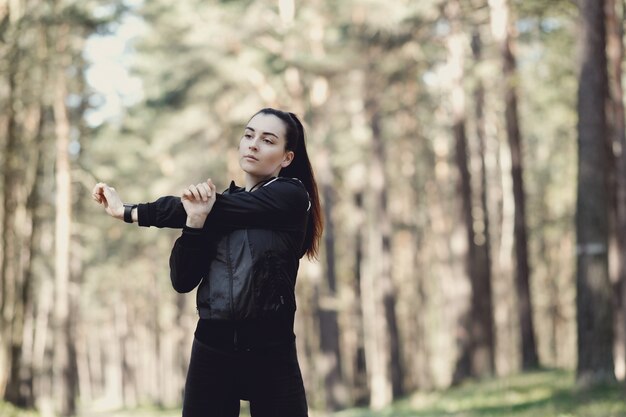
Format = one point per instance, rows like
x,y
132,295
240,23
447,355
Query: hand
x,y
198,201
103,194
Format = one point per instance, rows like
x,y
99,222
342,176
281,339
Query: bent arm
x,y
280,205
166,211
190,259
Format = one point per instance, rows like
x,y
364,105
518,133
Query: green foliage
x,y
8,410
544,393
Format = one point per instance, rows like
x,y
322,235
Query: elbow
x,y
181,289
182,285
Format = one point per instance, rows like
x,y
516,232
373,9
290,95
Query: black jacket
x,y
246,256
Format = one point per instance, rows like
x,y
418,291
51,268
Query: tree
x,y
503,32
617,176
476,342
594,305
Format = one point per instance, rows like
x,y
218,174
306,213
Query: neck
x,y
252,180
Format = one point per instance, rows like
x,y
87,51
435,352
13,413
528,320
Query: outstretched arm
x,y
167,211
113,205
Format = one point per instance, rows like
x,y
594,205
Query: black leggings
x,y
269,378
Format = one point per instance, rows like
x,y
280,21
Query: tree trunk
x,y
463,366
617,149
482,295
594,301
382,341
9,263
327,309
359,374
64,382
503,33
475,334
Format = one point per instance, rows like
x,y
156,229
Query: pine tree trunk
x,y
482,297
617,147
10,279
463,366
64,383
382,341
594,300
359,374
327,311
503,32
475,334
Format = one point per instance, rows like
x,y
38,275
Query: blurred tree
x,y
475,333
24,47
616,149
504,33
482,294
594,301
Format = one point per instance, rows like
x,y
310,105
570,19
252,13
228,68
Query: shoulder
x,y
291,188
285,181
288,184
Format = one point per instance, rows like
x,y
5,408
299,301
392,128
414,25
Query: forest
x,y
470,157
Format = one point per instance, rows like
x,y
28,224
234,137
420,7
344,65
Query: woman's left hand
x,y
198,201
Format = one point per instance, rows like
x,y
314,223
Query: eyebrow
x,y
264,133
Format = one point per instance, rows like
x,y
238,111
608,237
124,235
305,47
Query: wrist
x,y
118,213
195,221
128,212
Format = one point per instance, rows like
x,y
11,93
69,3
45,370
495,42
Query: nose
x,y
253,144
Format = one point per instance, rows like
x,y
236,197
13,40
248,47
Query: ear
x,y
287,159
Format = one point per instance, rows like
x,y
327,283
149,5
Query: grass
x,y
536,394
550,393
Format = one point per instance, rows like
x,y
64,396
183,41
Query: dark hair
x,y
300,168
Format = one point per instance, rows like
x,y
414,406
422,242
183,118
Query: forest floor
x,y
550,393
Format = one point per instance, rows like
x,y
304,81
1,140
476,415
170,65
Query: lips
x,y
251,157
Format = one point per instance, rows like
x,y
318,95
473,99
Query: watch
x,y
128,208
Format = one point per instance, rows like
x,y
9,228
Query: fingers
x,y
211,186
98,192
195,193
203,191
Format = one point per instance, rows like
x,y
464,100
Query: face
x,y
262,151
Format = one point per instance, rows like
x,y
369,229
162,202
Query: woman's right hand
x,y
198,201
103,194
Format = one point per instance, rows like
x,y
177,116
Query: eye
x,y
247,135
266,140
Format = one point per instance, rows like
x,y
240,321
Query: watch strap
x,y
128,209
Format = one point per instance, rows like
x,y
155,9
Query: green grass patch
x,y
551,393
534,394
8,410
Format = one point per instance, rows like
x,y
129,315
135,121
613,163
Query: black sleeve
x,y
190,259
166,211
281,204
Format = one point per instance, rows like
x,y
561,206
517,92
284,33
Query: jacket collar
x,y
234,188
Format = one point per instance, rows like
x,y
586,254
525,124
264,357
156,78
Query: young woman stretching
x,y
242,248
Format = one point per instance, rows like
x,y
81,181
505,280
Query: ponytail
x,y
300,168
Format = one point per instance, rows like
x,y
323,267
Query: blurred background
x,y
468,154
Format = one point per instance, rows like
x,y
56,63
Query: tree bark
x,y
482,295
617,149
359,374
10,280
594,300
463,366
327,311
503,32
382,341
64,382
475,333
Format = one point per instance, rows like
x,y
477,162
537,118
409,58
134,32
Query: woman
x,y
242,249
